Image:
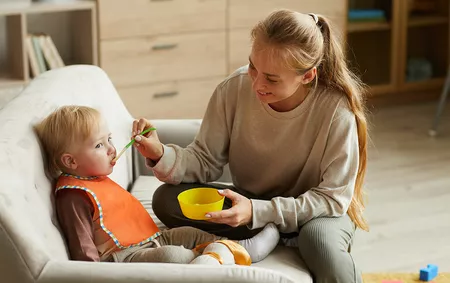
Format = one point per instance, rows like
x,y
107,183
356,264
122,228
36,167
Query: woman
x,y
292,127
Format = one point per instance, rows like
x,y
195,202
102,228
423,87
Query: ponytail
x,y
333,72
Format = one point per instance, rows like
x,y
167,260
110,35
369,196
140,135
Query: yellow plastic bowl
x,y
196,202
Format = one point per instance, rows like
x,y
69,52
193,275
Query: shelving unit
x,y
433,83
373,45
82,36
368,26
45,7
427,36
417,21
380,51
8,81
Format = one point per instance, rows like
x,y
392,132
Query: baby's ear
x,y
68,161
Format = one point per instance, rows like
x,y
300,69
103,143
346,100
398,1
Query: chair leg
x,y
441,105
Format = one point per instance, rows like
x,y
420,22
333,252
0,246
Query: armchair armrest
x,y
177,131
102,272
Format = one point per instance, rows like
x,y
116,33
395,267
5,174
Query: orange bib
x,y
121,215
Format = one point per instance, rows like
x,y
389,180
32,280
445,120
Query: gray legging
x,y
324,243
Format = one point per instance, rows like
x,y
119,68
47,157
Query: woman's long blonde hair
x,y
307,41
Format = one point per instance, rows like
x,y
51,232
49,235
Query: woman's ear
x,y
68,161
309,76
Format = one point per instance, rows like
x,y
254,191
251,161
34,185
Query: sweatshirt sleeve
x,y
332,197
75,212
203,160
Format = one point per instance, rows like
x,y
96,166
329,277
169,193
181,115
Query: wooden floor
x,y
408,186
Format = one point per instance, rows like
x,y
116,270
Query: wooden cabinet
x,y
239,48
240,21
128,18
425,36
246,13
166,57
170,100
384,52
141,60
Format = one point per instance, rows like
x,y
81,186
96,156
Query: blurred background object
x,y
418,69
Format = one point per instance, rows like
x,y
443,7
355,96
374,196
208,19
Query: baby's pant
x,y
172,246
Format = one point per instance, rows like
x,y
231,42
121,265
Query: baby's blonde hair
x,y
306,41
65,127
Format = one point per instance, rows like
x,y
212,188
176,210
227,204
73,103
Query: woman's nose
x,y
258,83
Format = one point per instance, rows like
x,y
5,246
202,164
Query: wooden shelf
x,y
380,89
81,40
419,21
367,26
6,82
403,36
433,83
37,7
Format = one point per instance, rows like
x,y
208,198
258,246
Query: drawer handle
x,y
164,46
165,94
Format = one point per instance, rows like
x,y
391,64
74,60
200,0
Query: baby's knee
x,y
175,254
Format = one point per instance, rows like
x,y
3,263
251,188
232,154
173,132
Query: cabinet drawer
x,y
173,100
146,60
127,18
241,23
239,15
240,47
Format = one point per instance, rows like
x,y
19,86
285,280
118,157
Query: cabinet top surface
x,y
44,7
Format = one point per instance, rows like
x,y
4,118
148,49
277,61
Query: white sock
x,y
260,246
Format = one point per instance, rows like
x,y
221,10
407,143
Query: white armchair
x,y
32,248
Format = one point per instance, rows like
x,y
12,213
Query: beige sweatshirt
x,y
299,165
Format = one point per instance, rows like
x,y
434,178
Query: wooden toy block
x,y
428,273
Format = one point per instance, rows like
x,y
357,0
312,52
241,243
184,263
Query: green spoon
x,y
131,143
